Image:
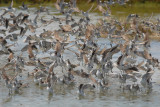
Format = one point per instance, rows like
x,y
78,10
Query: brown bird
x,y
57,5
11,55
57,37
70,65
3,41
66,28
29,50
41,65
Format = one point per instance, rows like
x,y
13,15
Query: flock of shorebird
x,y
95,63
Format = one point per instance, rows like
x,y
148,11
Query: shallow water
x,y
67,96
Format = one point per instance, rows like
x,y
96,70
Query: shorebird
x,y
20,61
132,16
60,6
69,79
126,44
46,22
43,9
146,79
10,8
45,45
11,55
134,88
86,14
24,7
25,17
110,2
2,31
107,67
8,80
3,41
29,50
23,30
121,2
15,27
74,6
66,28
50,88
122,79
40,64
82,87
71,66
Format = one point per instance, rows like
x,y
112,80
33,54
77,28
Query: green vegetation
x,y
42,1
141,7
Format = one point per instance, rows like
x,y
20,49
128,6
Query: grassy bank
x,y
78,1
141,7
37,1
